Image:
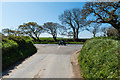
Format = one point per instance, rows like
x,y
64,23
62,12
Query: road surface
x,y
50,61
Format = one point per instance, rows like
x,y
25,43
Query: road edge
x,y
76,72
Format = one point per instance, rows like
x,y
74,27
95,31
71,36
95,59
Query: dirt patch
x,y
75,65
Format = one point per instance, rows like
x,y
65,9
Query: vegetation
x,y
12,32
53,29
94,28
99,58
112,32
31,29
50,40
74,20
15,49
103,12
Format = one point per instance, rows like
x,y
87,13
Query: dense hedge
x,y
15,49
99,58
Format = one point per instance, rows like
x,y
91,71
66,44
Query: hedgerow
x,y
15,49
99,58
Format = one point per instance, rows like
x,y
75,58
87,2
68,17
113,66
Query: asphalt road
x,y
51,61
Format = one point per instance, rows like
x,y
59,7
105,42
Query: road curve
x,y
50,61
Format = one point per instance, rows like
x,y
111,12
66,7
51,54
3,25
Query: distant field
x,y
57,42
50,40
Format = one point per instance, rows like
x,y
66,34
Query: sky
x,y
17,13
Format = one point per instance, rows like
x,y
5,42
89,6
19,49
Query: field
x,y
50,40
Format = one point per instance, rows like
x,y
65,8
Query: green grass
x,y
99,58
74,42
50,40
58,42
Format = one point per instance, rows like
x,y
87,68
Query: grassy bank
x,y
15,49
99,58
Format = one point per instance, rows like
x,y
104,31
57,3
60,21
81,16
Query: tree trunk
x,y
38,39
93,34
116,27
54,37
77,32
33,38
74,35
104,35
119,33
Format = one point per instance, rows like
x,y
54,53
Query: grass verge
x,y
99,58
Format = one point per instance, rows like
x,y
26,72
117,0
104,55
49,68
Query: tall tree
x,y
31,29
73,19
103,12
52,28
93,28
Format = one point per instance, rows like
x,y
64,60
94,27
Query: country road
x,y
50,61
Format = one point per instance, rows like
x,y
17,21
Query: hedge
x,y
15,49
99,58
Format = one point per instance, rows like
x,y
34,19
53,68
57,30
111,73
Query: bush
x,y
99,58
15,49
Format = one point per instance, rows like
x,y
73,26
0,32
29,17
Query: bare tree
x,y
103,12
53,29
93,28
31,29
73,19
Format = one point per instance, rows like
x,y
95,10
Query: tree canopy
x,y
52,28
103,12
31,29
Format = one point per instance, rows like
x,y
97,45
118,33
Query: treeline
x,y
14,49
73,21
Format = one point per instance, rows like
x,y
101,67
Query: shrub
x,y
15,49
99,58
